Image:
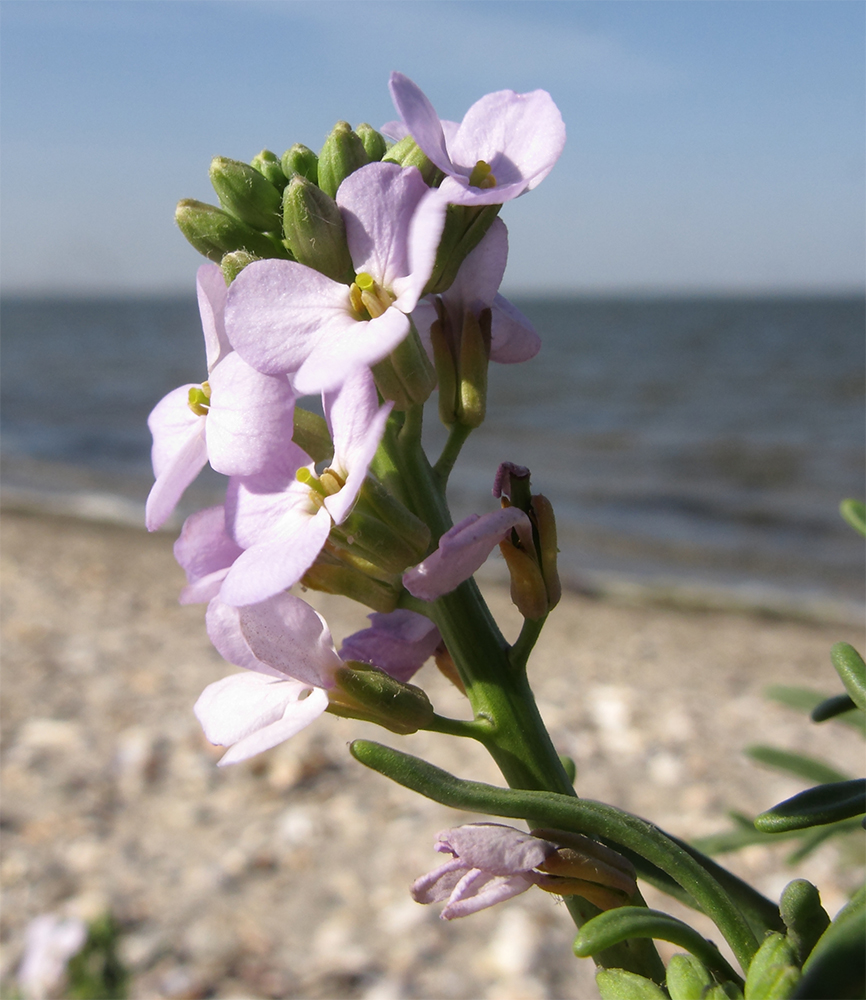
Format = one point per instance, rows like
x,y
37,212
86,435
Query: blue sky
x,y
712,146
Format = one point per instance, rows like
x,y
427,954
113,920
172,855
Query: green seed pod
x,y
315,231
300,159
373,141
215,233
342,154
268,165
246,194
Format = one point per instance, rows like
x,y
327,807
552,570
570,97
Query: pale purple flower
x,y
280,521
237,419
462,550
50,941
399,643
490,863
476,287
288,319
506,140
290,661
205,551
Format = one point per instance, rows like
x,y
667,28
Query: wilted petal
x,y
462,550
495,847
478,890
399,643
251,712
436,886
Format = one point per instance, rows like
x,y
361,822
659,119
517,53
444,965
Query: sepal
x,y
407,153
268,165
406,375
366,692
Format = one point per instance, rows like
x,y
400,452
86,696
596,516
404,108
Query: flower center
x,y
369,299
198,399
329,483
481,176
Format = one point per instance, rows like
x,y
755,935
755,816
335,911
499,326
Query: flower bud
x,y
246,194
406,375
315,231
342,154
366,692
407,153
215,233
269,167
374,142
301,160
472,367
233,263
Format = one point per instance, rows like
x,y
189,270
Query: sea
x,y
695,450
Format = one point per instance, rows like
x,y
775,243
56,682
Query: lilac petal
x,y
179,453
205,551
456,190
399,643
395,131
285,633
224,631
513,337
358,345
425,231
250,417
277,311
462,550
421,120
49,943
278,562
251,712
480,275
377,203
478,890
211,289
520,136
496,848
357,423
440,883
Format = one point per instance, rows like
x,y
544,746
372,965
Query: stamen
x,y
481,176
198,399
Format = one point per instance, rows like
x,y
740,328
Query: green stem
x,y
456,439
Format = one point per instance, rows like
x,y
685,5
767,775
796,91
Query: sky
x,y
713,147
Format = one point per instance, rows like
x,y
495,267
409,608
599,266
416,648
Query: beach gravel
x,y
288,875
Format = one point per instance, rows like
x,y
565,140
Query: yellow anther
x,y
481,176
198,399
368,298
331,482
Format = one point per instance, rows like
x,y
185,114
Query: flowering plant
x,y
367,277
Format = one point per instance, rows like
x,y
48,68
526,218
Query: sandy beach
x,y
288,876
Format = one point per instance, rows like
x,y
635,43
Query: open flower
x,y
286,318
399,643
283,516
462,550
237,419
506,144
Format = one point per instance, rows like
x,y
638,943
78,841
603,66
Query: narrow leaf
x,y
815,807
617,984
854,512
795,763
837,965
851,668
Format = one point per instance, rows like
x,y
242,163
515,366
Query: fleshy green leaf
x,y
833,707
815,807
687,977
626,922
795,763
852,670
617,984
837,966
773,974
807,700
804,916
854,512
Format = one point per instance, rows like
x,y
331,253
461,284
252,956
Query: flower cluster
x,y
362,277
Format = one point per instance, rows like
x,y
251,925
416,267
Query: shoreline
x,y
288,875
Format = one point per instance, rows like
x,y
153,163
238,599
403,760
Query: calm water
x,y
705,441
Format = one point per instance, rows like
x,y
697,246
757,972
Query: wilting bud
x,y
215,233
583,867
541,515
465,227
406,375
472,368
233,263
366,692
342,154
374,142
300,159
268,165
315,231
246,194
528,592
407,153
312,436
